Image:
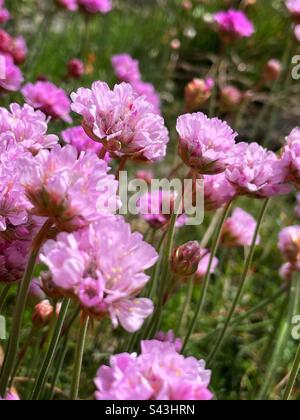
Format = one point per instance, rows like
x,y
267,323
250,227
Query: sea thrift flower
x,y
233,25
231,98
294,8
4,13
272,70
159,373
42,313
291,157
122,121
256,172
148,90
289,243
239,229
203,264
217,192
205,144
13,75
77,137
76,68
50,99
19,50
126,68
103,267
70,5
169,337
74,191
185,259
95,6
196,93
27,126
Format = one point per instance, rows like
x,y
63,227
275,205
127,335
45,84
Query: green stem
x,y
78,358
293,377
186,305
43,375
13,344
241,288
214,250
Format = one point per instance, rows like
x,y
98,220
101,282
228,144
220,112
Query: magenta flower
x,y
27,126
74,191
234,24
148,90
50,99
126,68
96,6
291,157
293,7
103,267
289,244
217,191
70,5
77,137
159,373
122,121
203,265
205,144
13,77
256,172
76,68
4,13
239,229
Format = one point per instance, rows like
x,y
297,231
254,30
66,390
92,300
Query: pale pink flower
x,y
291,157
122,121
70,5
103,267
96,6
205,144
287,270
217,191
126,68
293,7
239,229
234,24
203,265
159,373
13,77
289,243
297,32
50,99
148,90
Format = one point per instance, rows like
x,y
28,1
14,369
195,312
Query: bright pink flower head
x,y
293,7
256,172
76,68
103,267
203,265
291,157
289,243
13,77
4,13
74,191
96,6
122,121
205,144
148,90
234,24
217,191
239,229
77,137
50,99
70,5
11,396
169,337
27,126
159,373
126,68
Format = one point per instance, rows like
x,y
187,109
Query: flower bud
x,y
197,92
272,70
76,68
185,259
231,98
42,313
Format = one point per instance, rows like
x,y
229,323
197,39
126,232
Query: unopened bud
x,y
272,70
76,68
231,98
42,313
185,259
197,92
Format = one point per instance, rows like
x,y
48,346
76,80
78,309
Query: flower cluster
x,y
233,24
239,229
122,121
158,373
103,267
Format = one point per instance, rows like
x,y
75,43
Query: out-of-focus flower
x,y
203,264
256,172
42,313
217,192
286,271
175,44
50,99
4,13
73,191
148,90
205,144
291,157
294,8
197,92
272,70
169,337
126,68
27,126
145,175
122,121
95,6
103,267
15,47
76,68
77,137
239,229
231,98
297,32
289,243
13,77
70,5
233,25
185,259
11,396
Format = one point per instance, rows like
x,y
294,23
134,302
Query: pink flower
x,y
197,92
169,337
291,157
297,32
205,144
96,6
122,121
217,191
15,47
289,243
13,77
148,90
103,267
4,13
27,126
77,137
126,68
293,7
256,172
76,68
203,265
234,24
11,396
159,373
74,191
50,99
239,229
70,5
287,270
